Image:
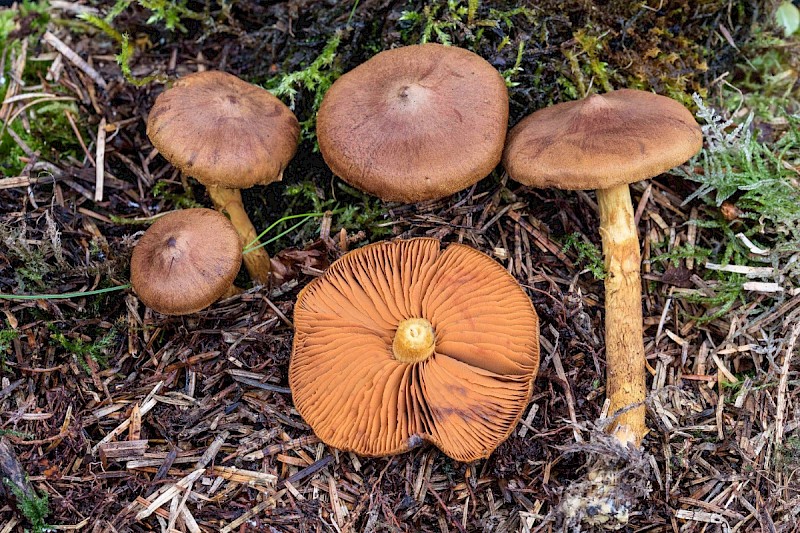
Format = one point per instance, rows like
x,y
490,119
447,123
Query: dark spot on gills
x,y
414,441
171,242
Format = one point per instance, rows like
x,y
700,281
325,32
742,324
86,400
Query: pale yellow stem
x,y
233,290
625,361
414,340
229,202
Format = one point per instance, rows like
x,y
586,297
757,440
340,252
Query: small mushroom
x,y
185,261
415,123
229,135
605,142
400,342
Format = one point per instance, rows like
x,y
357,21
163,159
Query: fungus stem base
x,y
414,340
625,361
229,202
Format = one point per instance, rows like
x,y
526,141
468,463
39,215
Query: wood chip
x,y
247,477
266,504
100,161
148,404
753,247
74,58
699,516
125,448
762,286
783,383
565,384
168,494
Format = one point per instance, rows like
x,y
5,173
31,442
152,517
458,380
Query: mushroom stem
x,y
625,361
232,291
414,340
229,202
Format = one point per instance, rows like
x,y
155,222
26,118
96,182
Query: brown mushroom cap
x,y
223,131
465,395
601,141
185,261
415,123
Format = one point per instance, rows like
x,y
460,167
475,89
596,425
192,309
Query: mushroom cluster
x,y
229,135
401,342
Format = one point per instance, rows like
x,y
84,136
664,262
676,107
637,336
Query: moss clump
x,y
35,508
568,48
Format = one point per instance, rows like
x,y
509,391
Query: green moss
x,y
315,79
127,50
31,261
7,336
585,63
681,253
788,455
753,175
50,135
737,166
35,508
85,350
588,254
766,83
170,14
18,434
353,210
447,22
32,18
178,196
434,23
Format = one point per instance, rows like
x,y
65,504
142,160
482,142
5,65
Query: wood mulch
x,y
187,423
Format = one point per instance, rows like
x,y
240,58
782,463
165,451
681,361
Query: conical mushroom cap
x,y
601,141
185,261
223,131
466,397
415,123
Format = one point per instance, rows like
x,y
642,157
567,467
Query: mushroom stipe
x,y
605,142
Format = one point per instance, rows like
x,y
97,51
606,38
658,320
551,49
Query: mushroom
x,y
229,135
415,123
400,342
185,261
605,142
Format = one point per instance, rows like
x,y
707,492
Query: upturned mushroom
x,y
415,123
399,343
185,261
604,142
229,135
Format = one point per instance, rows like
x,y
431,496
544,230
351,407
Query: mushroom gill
x,y
359,392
